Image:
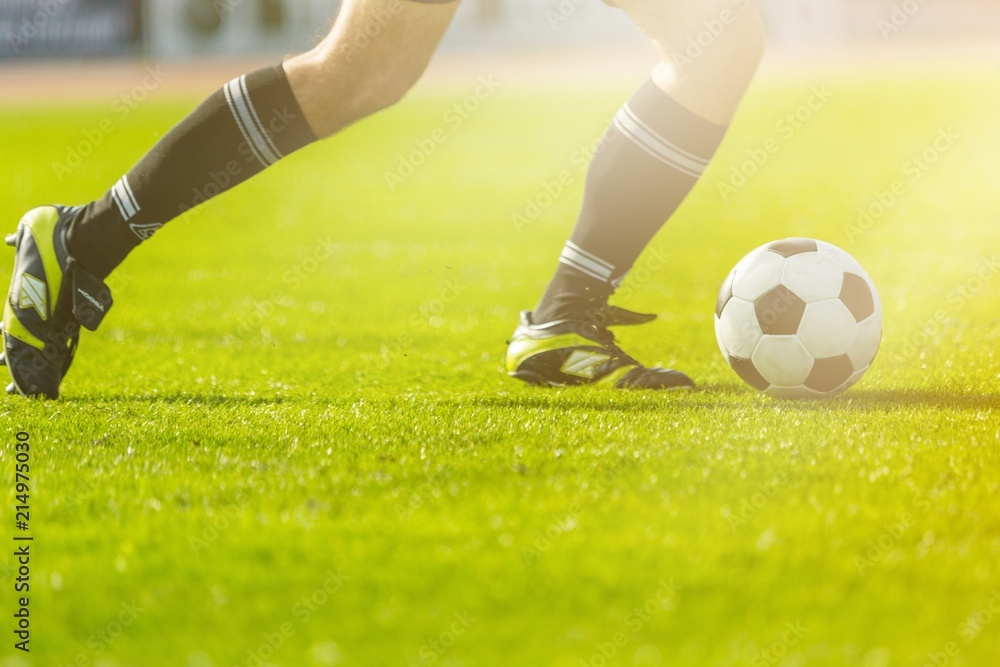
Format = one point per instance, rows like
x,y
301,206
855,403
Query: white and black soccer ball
x,y
799,318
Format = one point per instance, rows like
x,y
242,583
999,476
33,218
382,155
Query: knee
x,y
374,54
339,86
709,36
750,40
731,36
710,57
373,91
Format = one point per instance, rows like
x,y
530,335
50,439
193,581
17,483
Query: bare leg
x,y
710,83
659,144
375,53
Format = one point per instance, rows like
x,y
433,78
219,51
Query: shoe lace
x,y
603,335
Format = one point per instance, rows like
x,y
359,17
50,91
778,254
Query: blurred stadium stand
x,y
197,28
69,28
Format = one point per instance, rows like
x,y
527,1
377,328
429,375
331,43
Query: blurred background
x,y
178,29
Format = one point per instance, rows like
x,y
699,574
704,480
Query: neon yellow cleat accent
x,y
570,353
50,296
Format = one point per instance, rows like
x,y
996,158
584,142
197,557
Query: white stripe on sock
x,y
582,269
126,204
239,123
259,125
131,195
591,255
651,145
635,117
577,260
252,134
118,203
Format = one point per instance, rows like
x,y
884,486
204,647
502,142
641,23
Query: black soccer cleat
x,y
51,296
583,352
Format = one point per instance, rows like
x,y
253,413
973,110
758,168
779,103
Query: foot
x,y
577,352
50,297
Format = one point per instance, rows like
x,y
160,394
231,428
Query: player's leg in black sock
x,y
649,159
239,131
657,147
64,253
259,118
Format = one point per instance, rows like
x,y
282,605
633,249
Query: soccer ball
x,y
799,318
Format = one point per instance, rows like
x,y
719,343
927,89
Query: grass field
x,y
292,443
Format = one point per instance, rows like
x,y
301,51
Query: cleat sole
x,y
532,378
573,353
32,372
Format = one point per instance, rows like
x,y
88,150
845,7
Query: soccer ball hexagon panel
x,y
799,318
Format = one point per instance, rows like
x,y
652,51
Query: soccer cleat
x,y
50,297
579,352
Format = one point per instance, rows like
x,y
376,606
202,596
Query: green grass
x,y
213,470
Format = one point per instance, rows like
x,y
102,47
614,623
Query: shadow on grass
x,y
549,399
200,400
873,399
883,399
711,397
708,397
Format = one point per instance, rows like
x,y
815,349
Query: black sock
x,y
240,130
649,159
